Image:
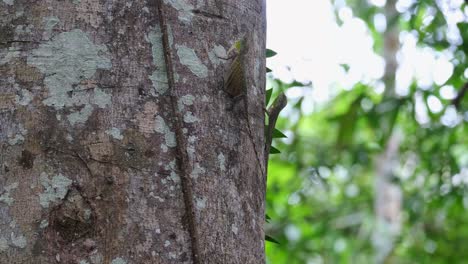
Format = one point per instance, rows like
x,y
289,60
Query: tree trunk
x,y
118,143
388,195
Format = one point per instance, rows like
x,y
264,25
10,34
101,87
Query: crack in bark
x,y
9,42
181,155
85,161
208,15
73,154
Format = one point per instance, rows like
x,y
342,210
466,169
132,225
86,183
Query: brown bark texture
x,y
118,143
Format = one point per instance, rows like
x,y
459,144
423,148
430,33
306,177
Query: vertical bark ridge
x,y
182,157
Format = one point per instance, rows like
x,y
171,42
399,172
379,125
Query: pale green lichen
x,y
25,98
200,3
119,261
44,223
257,70
197,171
170,36
189,58
171,165
21,29
3,244
87,214
190,118
84,262
115,133
161,127
5,197
80,116
76,2
159,76
175,177
7,54
184,8
49,23
190,147
234,229
159,80
8,2
16,139
192,139
96,258
191,152
55,189
216,54
18,241
170,139
151,194
185,100
200,203
222,162
101,99
67,60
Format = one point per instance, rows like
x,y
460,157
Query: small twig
x,y
458,99
273,113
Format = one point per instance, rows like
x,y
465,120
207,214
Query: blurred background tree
x,y
375,166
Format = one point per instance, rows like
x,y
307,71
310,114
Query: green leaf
x,y
347,123
270,239
267,218
278,134
268,70
373,146
345,67
270,53
274,150
268,96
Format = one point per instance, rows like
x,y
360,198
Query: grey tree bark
x,y
118,143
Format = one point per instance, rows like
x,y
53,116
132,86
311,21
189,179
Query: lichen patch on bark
x,y
184,8
119,261
216,54
5,197
49,23
115,133
8,2
159,76
189,58
18,241
185,100
68,61
55,189
190,118
161,127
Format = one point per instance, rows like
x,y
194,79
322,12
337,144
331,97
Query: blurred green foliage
x,y
320,193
